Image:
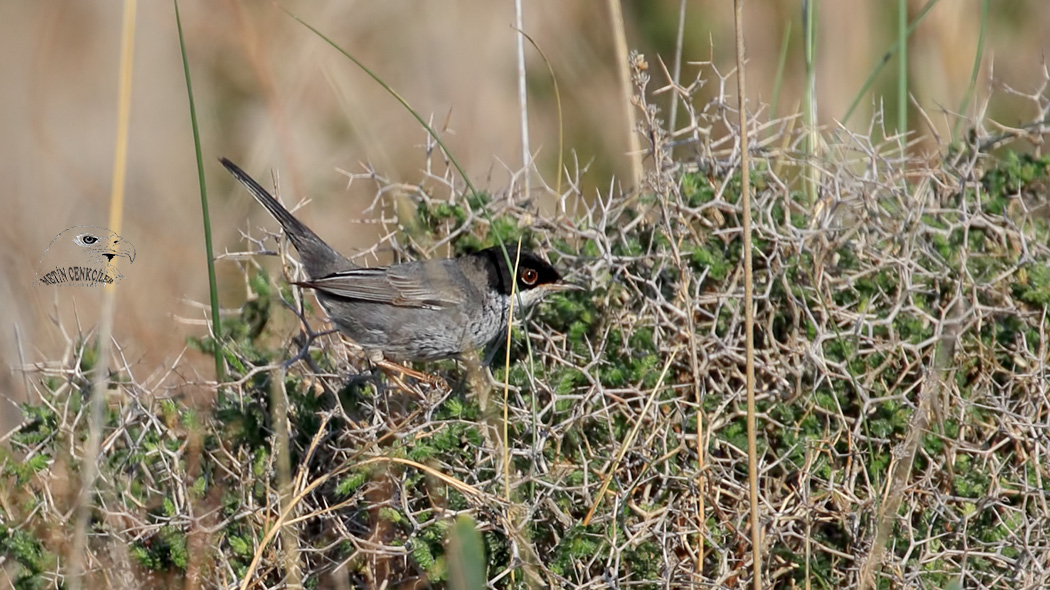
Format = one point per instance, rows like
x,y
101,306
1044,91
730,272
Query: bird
x,y
424,310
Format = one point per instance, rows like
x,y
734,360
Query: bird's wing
x,y
404,285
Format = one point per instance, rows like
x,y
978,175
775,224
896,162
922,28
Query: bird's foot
x,y
399,369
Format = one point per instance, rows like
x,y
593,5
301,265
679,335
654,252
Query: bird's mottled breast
x,y
491,322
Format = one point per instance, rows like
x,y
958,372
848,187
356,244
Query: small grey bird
x,y
415,311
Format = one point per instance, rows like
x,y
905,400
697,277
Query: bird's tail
x,y
317,256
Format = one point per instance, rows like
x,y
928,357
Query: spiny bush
x,y
906,305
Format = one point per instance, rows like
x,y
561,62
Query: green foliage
x,y
428,553
711,257
1037,290
240,546
1012,174
350,484
162,551
579,544
31,558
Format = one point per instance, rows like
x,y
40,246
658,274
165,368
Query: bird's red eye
x,y
529,276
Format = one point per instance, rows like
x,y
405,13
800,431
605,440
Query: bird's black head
x,y
534,273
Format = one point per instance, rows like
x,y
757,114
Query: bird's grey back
x,y
417,311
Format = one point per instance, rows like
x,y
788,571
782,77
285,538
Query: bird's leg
x,y
403,370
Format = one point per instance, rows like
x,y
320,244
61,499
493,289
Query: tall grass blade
x,y
779,78
558,109
213,289
902,71
672,120
809,115
886,57
634,145
523,100
975,72
392,92
85,498
749,307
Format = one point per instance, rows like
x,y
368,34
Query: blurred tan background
x,y
272,96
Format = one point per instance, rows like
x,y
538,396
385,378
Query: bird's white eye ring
x,y
86,240
529,276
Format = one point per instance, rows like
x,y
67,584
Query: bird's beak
x,y
565,286
121,248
